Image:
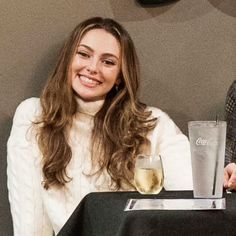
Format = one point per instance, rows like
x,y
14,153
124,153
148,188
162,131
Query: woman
x,y
85,131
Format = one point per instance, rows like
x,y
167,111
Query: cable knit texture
x,y
40,212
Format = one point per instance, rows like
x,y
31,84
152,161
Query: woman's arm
x,y
174,148
23,171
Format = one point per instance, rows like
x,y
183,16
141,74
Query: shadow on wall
x,y
5,127
226,6
177,11
124,10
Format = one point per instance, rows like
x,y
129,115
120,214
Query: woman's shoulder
x,y
28,109
158,113
164,121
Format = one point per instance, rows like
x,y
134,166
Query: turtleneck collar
x,y
89,107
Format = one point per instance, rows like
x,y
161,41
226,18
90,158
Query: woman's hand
x,y
230,176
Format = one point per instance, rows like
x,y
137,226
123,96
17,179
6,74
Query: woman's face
x,y
96,65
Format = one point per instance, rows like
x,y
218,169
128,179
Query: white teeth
x,y
88,80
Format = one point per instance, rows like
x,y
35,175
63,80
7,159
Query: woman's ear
x,y
119,78
117,82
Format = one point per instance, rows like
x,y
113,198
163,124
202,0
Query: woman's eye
x,y
83,54
109,62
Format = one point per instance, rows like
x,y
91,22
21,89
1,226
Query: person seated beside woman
x,y
230,151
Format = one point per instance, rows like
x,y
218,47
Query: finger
x,y
226,178
231,186
232,180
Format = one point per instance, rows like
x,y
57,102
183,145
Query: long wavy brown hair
x,y
120,127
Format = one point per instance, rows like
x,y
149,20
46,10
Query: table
x,y
102,214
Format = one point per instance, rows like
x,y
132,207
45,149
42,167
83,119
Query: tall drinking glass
x,y
148,174
207,144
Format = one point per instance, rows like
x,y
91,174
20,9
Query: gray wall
x,y
187,53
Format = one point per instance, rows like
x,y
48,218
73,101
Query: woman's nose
x,y
92,67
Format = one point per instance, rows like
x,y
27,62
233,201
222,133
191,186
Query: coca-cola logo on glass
x,y
201,142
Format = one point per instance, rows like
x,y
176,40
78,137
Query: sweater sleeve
x,y
23,172
174,148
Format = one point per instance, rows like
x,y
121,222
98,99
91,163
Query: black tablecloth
x,y
102,214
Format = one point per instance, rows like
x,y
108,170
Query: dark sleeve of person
x,y
230,116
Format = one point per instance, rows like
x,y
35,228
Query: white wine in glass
x,y
148,174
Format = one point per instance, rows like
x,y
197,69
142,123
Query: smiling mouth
x,y
88,81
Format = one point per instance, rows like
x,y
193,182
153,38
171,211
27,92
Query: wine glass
x,y
148,174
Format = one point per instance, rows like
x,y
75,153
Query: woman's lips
x,y
90,82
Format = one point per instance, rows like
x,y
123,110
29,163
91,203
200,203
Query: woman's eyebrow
x,y
86,46
104,54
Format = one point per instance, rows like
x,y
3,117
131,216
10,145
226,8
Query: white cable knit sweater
x,y
39,212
